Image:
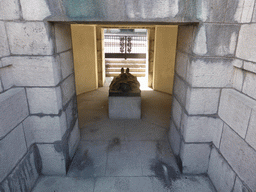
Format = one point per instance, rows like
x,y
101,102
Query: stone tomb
x,y
124,101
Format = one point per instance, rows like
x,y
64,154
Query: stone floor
x,y
124,155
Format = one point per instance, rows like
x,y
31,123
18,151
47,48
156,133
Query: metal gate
x,y
125,46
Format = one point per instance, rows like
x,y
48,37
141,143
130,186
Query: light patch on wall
x,y
244,11
232,45
202,10
200,42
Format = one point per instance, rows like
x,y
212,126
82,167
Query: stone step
x,y
117,65
125,61
136,74
130,69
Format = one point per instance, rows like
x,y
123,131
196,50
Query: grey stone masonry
x,y
176,112
68,89
63,37
249,87
235,109
13,148
240,186
4,47
251,133
13,109
9,10
220,172
66,60
239,155
175,139
73,140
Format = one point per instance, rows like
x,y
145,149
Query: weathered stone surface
x,y
180,89
63,37
9,9
13,109
44,100
246,46
202,101
210,72
202,129
12,148
251,133
66,62
71,112
195,157
44,129
6,75
53,160
4,47
254,14
30,38
185,38
34,71
68,89
238,79
24,176
240,156
174,139
216,40
1,87
176,112
235,109
73,140
220,173
181,64
238,63
249,87
240,187
203,10
249,66
34,9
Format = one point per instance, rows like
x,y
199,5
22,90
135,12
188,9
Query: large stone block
x,y
34,71
239,155
249,66
67,65
249,87
73,140
68,89
174,139
13,109
235,109
71,112
44,100
44,129
210,72
13,148
180,89
53,160
185,38
9,10
176,112
238,79
251,133
220,173
182,60
63,37
202,101
195,158
240,186
4,47
202,129
34,9
6,75
216,40
246,46
30,38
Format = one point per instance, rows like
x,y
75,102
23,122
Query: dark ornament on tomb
x,y
124,84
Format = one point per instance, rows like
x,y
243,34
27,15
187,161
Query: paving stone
x,y
249,85
220,173
179,90
239,186
176,112
202,101
235,150
13,109
210,72
9,10
67,66
44,100
44,129
63,37
68,89
34,9
195,157
202,129
30,38
235,109
34,71
238,79
74,140
14,142
53,160
174,139
246,45
4,47
251,133
181,64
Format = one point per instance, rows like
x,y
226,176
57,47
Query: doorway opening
x,y
126,48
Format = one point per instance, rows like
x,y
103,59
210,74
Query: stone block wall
x,y
38,111
213,112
